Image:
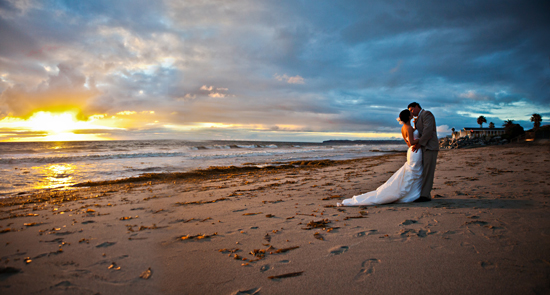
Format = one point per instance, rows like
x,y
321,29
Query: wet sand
x,y
277,230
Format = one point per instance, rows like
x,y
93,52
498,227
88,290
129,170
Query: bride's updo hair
x,y
405,116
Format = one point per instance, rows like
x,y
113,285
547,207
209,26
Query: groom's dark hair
x,y
414,104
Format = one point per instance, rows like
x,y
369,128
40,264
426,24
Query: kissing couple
x,y
414,180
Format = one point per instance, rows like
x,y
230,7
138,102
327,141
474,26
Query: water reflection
x,y
57,145
55,175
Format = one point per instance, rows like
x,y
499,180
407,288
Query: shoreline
x,y
194,175
60,165
273,231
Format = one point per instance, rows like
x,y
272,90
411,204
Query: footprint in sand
x,y
360,234
265,268
367,269
64,233
106,244
408,222
252,291
409,232
423,233
8,271
63,284
487,265
338,250
364,233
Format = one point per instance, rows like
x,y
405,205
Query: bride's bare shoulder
x,y
407,128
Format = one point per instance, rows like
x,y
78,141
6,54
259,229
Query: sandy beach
x,y
277,231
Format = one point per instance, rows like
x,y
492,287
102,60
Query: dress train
x,y
403,187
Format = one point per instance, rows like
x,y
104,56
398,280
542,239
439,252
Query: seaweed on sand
x,y
197,237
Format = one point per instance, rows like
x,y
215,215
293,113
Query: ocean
x,y
29,166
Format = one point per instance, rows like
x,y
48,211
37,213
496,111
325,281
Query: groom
x,y
428,142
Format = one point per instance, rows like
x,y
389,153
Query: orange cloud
x,y
69,91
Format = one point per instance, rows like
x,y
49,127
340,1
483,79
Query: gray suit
x,y
429,144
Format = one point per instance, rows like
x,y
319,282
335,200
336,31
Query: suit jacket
x,y
427,130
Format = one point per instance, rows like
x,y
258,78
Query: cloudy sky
x,y
266,70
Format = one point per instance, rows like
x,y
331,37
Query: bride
x,y
404,186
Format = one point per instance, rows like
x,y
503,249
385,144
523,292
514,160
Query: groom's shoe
x,y
423,199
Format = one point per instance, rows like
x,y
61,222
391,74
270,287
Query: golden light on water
x,y
55,175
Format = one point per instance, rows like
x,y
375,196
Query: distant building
x,y
478,132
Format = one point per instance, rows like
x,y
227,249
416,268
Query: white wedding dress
x,y
403,187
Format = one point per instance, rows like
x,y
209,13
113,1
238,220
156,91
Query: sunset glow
x,y
53,123
49,126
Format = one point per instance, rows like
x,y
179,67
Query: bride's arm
x,y
404,133
412,141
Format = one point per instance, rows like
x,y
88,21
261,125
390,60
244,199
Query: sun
x,y
53,123
48,126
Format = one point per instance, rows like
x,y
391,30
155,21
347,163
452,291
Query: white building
x,y
478,132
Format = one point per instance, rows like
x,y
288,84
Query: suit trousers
x,y
429,159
